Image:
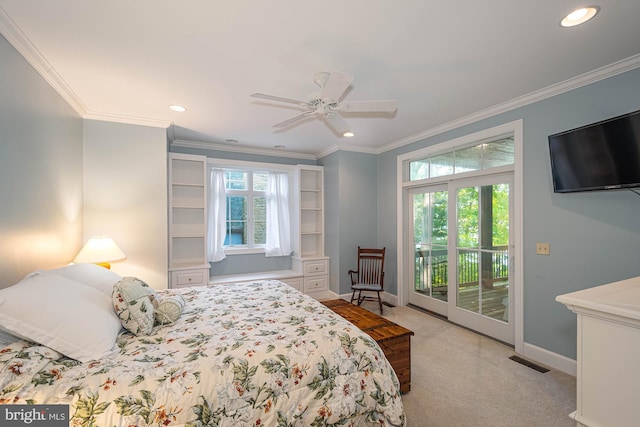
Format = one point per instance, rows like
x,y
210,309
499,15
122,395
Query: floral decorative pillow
x,y
133,301
169,308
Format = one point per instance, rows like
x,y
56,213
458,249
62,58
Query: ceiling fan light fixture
x,y
178,108
328,105
579,16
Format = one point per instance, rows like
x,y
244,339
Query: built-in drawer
x,y
316,267
294,282
316,283
184,278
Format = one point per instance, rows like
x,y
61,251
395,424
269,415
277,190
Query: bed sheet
x,y
251,354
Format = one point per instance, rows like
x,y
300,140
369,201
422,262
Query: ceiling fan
x,y
326,102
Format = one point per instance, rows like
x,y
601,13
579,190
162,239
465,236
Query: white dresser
x,y
608,354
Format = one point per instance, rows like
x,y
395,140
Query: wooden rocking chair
x,y
369,277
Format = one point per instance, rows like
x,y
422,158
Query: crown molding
x,y
590,77
107,117
347,147
325,153
32,55
242,149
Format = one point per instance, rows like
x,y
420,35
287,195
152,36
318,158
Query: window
x,y
480,156
249,209
246,213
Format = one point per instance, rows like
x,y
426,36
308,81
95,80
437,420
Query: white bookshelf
x,y
308,258
188,264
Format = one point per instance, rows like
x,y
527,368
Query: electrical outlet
x,y
542,248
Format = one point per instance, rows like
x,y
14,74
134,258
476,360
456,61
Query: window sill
x,y
247,251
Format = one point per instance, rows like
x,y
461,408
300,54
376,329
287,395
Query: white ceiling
x,y
126,61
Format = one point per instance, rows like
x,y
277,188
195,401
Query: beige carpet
x,y
460,378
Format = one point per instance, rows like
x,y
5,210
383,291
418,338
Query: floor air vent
x,y
529,364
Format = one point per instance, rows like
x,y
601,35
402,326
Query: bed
x,y
250,354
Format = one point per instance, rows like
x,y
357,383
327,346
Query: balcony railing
x,y
432,267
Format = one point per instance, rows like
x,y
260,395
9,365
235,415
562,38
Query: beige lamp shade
x,y
100,250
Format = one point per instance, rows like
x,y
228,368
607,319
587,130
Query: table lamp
x,y
100,250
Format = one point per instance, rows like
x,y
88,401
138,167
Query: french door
x,y
461,245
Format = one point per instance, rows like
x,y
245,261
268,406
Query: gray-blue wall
x,y
594,236
40,172
331,165
351,201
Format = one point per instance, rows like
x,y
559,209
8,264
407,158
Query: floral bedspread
x,y
253,354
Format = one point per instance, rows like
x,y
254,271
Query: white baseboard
x,y
551,359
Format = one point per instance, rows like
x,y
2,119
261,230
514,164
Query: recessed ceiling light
x,y
279,147
579,16
178,108
348,134
231,141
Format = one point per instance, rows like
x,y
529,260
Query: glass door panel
x,y
430,248
482,247
460,244
482,255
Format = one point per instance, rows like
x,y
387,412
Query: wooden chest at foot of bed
x,y
393,339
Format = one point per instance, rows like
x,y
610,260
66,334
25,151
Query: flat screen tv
x,y
600,156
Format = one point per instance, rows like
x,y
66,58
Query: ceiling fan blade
x,y
385,106
336,85
336,121
293,119
281,99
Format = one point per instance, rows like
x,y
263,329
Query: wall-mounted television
x,y
599,156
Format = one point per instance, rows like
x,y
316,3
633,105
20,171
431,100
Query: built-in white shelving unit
x,y
308,258
188,264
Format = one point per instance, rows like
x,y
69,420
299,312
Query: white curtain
x,y
278,221
217,216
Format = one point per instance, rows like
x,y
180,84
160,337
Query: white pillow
x,y
56,312
95,276
133,303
